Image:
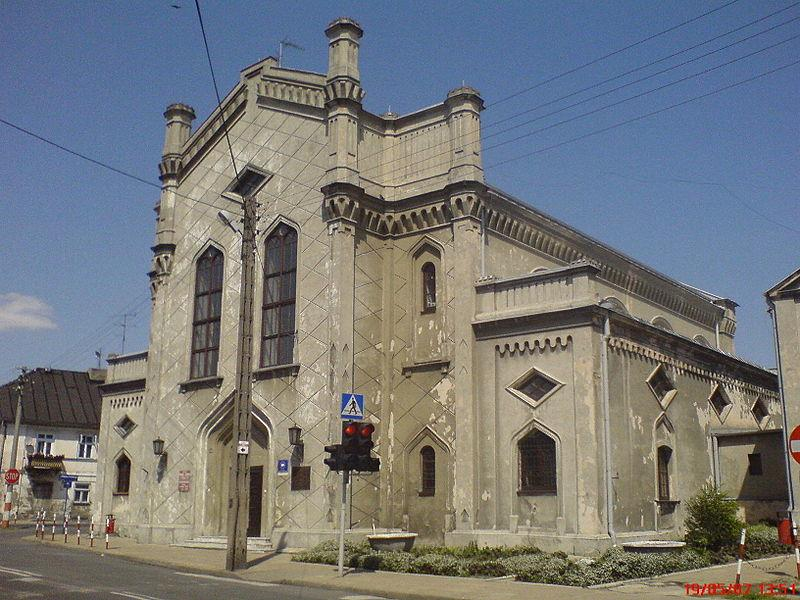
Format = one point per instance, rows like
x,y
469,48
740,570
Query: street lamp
x,y
294,436
158,447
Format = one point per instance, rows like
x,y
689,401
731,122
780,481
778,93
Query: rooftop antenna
x,y
124,326
289,44
99,355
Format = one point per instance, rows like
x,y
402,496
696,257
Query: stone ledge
x,y
197,384
290,370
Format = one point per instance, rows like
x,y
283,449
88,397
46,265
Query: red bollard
x,y
79,530
66,525
91,534
741,557
107,524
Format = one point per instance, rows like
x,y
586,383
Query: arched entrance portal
x,y
220,442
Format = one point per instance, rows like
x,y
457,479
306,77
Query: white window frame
x,y
83,498
86,443
44,443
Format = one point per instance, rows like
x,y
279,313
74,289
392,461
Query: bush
x,y
439,564
762,540
616,564
711,522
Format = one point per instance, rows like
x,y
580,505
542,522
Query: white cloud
x,y
18,311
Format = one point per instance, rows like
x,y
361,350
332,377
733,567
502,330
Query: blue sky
x,y
705,193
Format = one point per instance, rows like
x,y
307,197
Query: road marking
x,y
135,596
227,579
11,571
26,579
364,598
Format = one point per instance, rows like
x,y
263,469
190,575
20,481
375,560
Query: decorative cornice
x,y
683,366
343,88
291,91
557,343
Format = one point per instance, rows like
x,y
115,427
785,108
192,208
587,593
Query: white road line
x,y
227,579
26,579
364,598
135,596
11,571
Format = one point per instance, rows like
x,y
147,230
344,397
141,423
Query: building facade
x,y
58,436
528,383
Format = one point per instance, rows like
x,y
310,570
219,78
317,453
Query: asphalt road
x,y
40,571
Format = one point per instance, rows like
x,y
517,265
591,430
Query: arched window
x,y
428,470
537,464
207,312
664,455
278,308
428,287
123,475
662,323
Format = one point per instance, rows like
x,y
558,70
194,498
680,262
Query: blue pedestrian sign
x,y
67,480
283,466
352,407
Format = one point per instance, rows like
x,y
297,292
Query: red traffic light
x,y
367,429
350,429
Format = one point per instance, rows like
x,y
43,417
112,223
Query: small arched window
x,y
278,307
537,465
662,323
207,314
428,287
428,471
664,457
123,475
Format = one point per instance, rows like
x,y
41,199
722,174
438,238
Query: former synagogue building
x,y
528,383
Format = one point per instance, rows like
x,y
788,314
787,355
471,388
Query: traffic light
x,y
334,461
357,447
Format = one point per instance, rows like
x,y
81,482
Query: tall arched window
x,y
278,308
207,312
428,287
123,475
664,456
428,471
537,464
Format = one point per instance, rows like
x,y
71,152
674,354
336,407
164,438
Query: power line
x,y
610,54
647,115
216,89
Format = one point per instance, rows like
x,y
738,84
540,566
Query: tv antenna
x,y
289,44
124,326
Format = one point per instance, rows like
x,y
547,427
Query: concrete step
x,y
219,542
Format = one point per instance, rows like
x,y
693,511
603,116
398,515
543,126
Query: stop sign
x,y
794,444
12,476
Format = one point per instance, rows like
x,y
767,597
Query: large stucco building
x,y
529,383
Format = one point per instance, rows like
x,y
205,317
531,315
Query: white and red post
x,y
796,548
66,526
78,531
91,534
53,539
108,522
741,557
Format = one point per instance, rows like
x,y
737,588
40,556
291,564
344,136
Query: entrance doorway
x,y
256,495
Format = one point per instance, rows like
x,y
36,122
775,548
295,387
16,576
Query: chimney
x,y
344,34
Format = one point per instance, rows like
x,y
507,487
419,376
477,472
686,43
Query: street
x,y
31,570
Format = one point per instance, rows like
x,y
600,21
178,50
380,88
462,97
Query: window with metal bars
x,y
664,457
428,287
278,307
537,464
207,314
428,471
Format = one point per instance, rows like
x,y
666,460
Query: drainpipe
x,y
782,395
3,444
716,332
607,429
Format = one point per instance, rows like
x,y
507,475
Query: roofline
x,y
525,206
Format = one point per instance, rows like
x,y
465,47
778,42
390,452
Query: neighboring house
x,y
783,302
58,436
528,383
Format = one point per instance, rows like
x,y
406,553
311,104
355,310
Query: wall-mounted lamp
x,y
158,447
294,436
29,449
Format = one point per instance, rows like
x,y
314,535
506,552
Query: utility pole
x,y
238,498
15,443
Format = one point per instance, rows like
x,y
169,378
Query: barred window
x,y
207,314
278,307
428,287
428,471
123,475
664,457
537,464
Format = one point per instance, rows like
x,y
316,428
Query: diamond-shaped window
x,y
534,387
760,410
248,183
124,426
661,385
719,400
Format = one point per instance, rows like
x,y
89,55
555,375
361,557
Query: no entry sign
x,y
794,444
12,476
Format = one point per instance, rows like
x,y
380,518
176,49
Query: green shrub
x,y
762,540
711,521
439,564
616,564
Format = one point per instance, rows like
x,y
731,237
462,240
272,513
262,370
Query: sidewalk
x,y
278,568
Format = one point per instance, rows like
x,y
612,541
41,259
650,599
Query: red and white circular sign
x,y
794,444
12,476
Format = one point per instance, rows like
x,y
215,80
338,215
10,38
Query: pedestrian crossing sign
x,y
352,407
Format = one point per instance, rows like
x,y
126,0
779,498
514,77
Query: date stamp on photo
x,y
740,589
